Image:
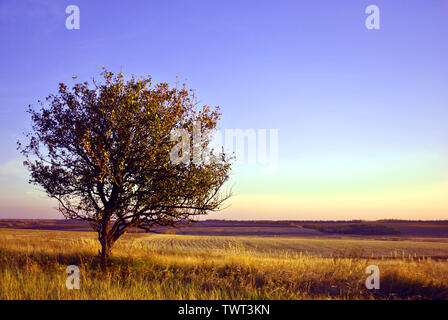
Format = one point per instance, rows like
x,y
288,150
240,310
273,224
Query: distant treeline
x,y
354,228
328,221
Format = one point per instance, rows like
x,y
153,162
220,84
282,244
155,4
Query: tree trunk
x,y
106,242
105,253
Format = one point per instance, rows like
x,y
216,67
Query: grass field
x,y
33,262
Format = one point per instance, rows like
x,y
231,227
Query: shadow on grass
x,y
394,286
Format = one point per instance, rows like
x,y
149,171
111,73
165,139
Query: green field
x,y
33,262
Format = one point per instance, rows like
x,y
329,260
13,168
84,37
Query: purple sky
x,y
370,104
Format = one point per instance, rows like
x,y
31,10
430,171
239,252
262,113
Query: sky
x,y
361,113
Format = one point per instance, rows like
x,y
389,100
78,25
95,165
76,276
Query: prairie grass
x,y
33,262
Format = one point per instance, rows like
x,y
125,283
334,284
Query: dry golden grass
x,y
33,262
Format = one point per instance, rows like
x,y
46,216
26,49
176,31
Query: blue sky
x,y
356,109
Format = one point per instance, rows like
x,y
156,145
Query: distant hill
x,y
303,228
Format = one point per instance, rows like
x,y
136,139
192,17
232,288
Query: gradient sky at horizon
x,y
362,114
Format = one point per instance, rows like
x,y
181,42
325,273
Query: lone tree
x,y
105,152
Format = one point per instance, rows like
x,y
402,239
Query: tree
x,y
105,153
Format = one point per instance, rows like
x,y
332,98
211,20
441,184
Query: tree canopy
x,y
105,153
